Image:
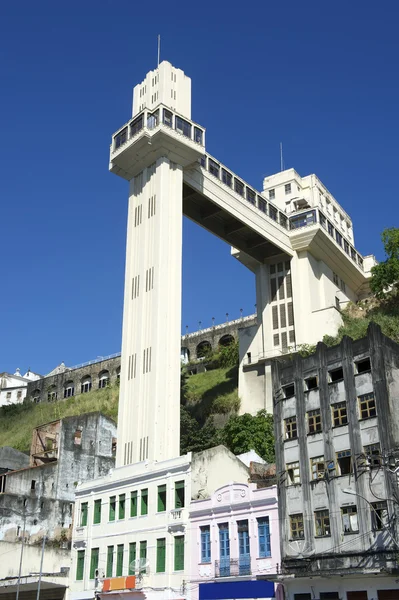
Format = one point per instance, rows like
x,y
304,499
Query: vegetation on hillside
x,y
385,275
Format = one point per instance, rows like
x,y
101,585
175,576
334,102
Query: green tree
x,y
193,437
246,432
385,275
228,356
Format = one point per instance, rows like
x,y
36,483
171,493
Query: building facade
x,y
13,388
235,539
337,454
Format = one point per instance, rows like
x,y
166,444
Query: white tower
x,y
150,152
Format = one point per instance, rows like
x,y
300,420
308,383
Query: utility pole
x,y
20,558
41,568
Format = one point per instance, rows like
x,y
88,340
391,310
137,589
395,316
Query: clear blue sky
x,y
321,77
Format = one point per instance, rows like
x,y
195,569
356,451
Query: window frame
x,y
293,478
133,503
178,562
313,418
205,544
179,496
291,424
160,564
264,547
339,408
161,498
144,502
315,461
84,512
347,510
122,507
367,405
321,518
97,512
80,565
295,532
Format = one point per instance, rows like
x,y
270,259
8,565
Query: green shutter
x,y
161,555
144,502
143,550
179,553
119,560
122,502
93,562
110,561
80,565
133,504
161,498
112,507
97,512
83,514
132,558
179,494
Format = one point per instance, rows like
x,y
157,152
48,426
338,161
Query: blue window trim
x,y
264,537
205,544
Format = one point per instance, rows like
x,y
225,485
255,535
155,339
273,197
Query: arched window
x,y
36,396
226,340
51,393
85,384
103,379
69,389
204,349
185,355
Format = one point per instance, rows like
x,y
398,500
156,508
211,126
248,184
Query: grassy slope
x,y
213,392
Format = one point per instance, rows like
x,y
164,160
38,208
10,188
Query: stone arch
x,y
85,384
36,395
51,393
185,355
203,349
103,378
226,340
69,388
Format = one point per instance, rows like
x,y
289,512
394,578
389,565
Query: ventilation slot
x,y
135,287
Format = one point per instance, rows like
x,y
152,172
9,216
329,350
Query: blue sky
x,y
320,77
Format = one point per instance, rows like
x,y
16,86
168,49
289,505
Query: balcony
x,y
177,519
233,567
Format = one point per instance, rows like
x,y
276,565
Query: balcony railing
x,y
233,567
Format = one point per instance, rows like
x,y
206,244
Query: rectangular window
x,y
322,220
283,221
317,467
224,546
205,544
110,561
293,473
97,512
80,565
272,212
291,432
311,383
288,285
283,320
367,406
143,557
322,523
335,279
276,339
132,558
133,504
167,117
122,504
344,461
227,177
179,553
144,502
112,508
287,188
264,537
379,515
136,125
84,507
305,596
289,390
161,555
161,498
119,560
93,562
373,455
346,246
272,194
244,559
275,317
314,421
120,138
296,526
339,414
330,228
338,238
281,293
329,596
262,205
213,167
362,366
238,187
273,285
335,375
251,196
198,135
179,494
183,126
349,519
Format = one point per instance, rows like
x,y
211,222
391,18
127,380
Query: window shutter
x,y
143,550
179,553
289,285
93,562
179,494
83,517
80,565
97,512
281,288
122,501
290,311
144,502
119,560
283,321
112,504
133,504
284,344
161,498
132,558
161,555
110,561
275,317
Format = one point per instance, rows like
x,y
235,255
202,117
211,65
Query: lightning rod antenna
x,y
281,157
159,48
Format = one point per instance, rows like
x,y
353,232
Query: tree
x,y
385,275
246,432
193,437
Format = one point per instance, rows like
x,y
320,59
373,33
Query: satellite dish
x,y
331,465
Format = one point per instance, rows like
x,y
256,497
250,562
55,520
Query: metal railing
x,y
233,567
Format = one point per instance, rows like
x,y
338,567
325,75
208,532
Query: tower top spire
x,y
159,49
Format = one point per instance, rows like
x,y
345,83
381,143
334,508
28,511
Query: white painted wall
x,y
13,387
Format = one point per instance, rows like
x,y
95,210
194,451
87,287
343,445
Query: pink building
x,y
235,545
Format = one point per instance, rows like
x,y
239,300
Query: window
x,y
251,196
289,390
322,220
338,238
198,135
238,187
51,394
110,561
272,212
179,553
276,339
296,526
244,559
283,221
143,556
80,564
322,523
287,188
349,519
293,473
97,512
33,484
373,455
83,514
335,375
133,504
264,537
357,595
342,286
344,461
346,246
379,515
367,406
85,385
120,138
69,389
144,502
262,204
329,596
314,421
227,177
132,558
103,379
363,366
205,544
77,438
213,167
167,118
317,467
305,596
161,498
311,383
93,562
119,560
112,508
137,124
183,126
179,494
290,428
122,504
272,194
161,555
330,228
335,279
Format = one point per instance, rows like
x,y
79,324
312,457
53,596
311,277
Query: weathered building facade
x,y
337,452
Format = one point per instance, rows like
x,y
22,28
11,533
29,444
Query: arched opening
x,y
185,355
118,373
226,340
85,384
51,393
103,379
36,396
204,349
69,389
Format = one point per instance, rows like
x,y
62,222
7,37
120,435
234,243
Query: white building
x,y
13,387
